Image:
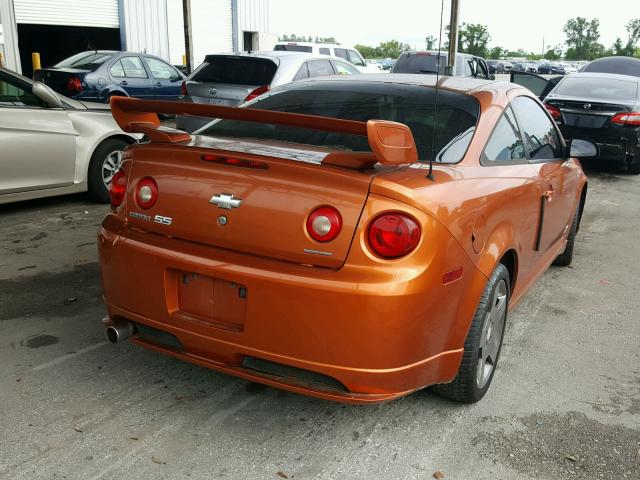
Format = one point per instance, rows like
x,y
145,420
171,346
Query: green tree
x,y
497,53
473,38
582,39
431,42
367,51
392,48
554,53
630,48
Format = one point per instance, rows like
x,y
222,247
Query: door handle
x,y
124,82
158,84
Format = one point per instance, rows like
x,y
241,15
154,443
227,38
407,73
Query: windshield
x,y
420,63
235,70
85,61
598,88
413,105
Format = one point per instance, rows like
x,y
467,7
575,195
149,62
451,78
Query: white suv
x,y
332,49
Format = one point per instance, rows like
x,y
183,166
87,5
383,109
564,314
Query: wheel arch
x,y
500,248
583,201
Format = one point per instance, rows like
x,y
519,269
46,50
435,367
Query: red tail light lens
x,y
257,92
324,224
118,188
393,235
146,192
235,162
554,111
627,118
74,85
183,89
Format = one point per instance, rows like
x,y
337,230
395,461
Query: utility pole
x,y
453,38
188,45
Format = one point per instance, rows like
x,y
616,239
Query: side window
x,y
341,53
325,51
355,58
302,73
11,95
159,69
541,137
117,70
343,68
505,144
319,68
133,67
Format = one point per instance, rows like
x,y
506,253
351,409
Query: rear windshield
x,y
85,61
233,70
456,119
419,63
292,47
600,88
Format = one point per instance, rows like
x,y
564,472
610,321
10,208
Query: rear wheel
x,y
483,344
105,162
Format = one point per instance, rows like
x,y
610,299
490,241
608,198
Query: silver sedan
x,y
53,145
232,79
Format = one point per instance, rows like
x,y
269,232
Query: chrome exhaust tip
x,y
117,332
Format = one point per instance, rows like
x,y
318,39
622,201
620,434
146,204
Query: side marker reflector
x,y
452,276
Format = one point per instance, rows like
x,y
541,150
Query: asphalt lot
x,y
565,402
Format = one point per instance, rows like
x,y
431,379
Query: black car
x,y
499,66
434,62
619,65
601,107
551,68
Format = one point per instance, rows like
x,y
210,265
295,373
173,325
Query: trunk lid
x,y
583,113
219,94
275,201
57,78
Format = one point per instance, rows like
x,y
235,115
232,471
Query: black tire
x,y
566,257
466,386
98,191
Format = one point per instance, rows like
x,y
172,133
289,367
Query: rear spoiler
x,y
392,143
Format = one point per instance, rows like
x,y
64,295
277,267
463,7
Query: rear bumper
x,y
380,334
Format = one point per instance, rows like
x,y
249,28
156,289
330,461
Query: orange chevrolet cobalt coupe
x,y
304,242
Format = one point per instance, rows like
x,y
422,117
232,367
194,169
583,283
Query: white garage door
x,y
85,13
211,30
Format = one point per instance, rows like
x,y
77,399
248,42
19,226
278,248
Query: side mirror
x,y
45,94
175,78
582,148
492,76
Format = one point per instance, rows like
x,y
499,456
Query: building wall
x,y
253,15
143,25
175,26
211,28
9,49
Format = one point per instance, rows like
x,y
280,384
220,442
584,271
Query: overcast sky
x,y
512,24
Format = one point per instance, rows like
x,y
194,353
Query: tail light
x,y
74,85
118,188
257,92
554,111
627,118
393,235
324,224
183,89
146,192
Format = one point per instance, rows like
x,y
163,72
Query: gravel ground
x,y
565,402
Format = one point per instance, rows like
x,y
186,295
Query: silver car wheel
x,y
110,166
491,337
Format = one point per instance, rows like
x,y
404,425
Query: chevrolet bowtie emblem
x,y
226,201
